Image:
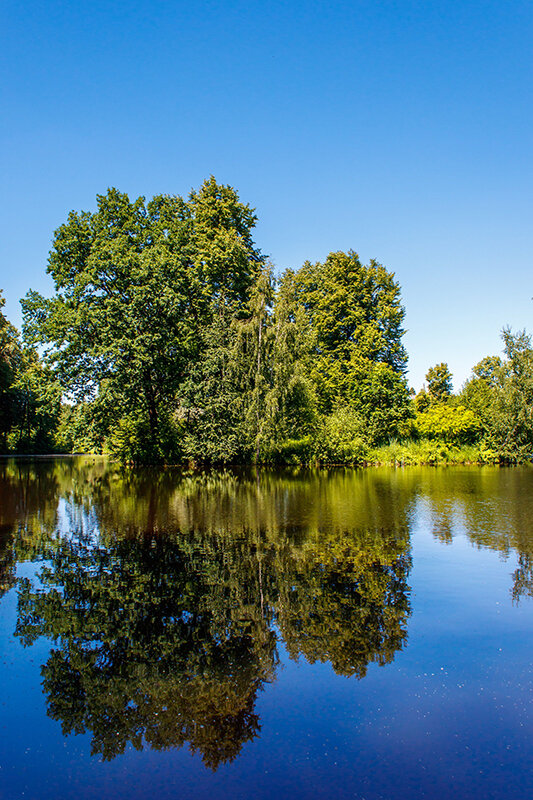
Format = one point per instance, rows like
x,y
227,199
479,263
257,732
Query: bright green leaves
x,y
449,423
169,334
501,394
354,308
225,258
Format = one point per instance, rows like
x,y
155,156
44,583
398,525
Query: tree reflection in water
x,y
492,506
165,599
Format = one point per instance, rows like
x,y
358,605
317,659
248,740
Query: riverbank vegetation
x,y
168,339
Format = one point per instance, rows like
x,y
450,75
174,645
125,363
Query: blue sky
x,y
403,130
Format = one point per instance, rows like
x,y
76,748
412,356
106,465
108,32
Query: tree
x,y
358,358
10,360
136,284
38,406
291,416
30,397
500,392
510,419
439,381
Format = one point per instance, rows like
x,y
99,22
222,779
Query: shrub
x,y
453,424
342,439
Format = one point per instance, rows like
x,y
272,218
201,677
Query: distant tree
x,y
500,392
37,407
511,410
422,399
30,397
439,381
10,360
488,369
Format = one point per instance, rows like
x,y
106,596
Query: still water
x,y
303,634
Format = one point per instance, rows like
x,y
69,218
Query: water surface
x,y
357,634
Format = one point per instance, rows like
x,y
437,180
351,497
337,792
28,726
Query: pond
x,y
348,633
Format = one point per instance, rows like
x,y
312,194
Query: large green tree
x,y
358,359
136,285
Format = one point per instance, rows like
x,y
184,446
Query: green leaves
x,y
357,358
168,333
136,285
449,423
500,392
439,379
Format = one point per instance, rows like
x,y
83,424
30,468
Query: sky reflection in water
x,y
357,633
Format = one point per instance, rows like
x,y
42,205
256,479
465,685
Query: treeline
x,y
168,338
489,420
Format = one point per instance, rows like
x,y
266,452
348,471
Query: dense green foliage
x,y
490,420
500,392
169,339
439,380
138,285
30,396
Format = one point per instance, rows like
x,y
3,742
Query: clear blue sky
x,y
403,130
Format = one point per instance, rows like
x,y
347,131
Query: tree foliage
x,y
168,339
357,358
447,423
500,392
30,396
137,286
439,381
172,340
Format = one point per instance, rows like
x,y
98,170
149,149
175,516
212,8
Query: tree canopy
x,y
169,339
136,286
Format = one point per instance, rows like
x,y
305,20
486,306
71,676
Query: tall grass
x,y
428,451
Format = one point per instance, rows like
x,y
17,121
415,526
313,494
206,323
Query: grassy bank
x,y
430,452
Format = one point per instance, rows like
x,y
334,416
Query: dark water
x,y
347,634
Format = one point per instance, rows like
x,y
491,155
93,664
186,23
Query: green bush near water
x,y
431,452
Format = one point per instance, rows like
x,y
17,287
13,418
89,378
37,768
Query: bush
x,y
290,451
429,451
452,424
343,438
